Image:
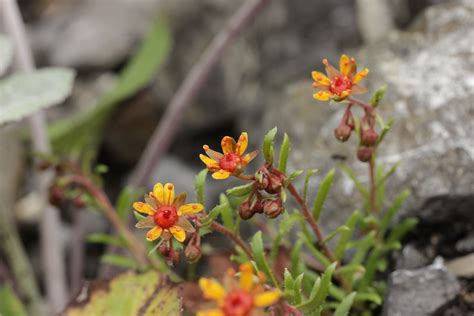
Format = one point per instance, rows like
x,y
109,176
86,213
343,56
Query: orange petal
x,y
330,70
322,95
212,289
180,200
345,65
158,193
178,233
212,153
249,157
210,163
320,78
168,194
358,89
144,208
361,75
228,145
221,174
242,143
154,233
266,298
344,94
246,277
147,222
210,312
191,208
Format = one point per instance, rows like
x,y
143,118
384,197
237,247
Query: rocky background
x,y
422,49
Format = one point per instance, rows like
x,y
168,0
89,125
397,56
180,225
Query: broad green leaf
x,y
6,54
125,200
106,239
199,185
309,174
258,253
85,127
323,191
23,94
392,210
9,303
267,148
323,291
378,96
119,261
128,294
241,190
345,306
346,235
284,151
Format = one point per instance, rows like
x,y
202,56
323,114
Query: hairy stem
x,y
236,239
52,252
189,89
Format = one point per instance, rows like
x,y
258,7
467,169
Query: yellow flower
x,y
232,161
166,213
243,298
338,85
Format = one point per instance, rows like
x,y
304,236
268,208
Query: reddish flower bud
x,y
174,256
245,211
56,195
43,165
164,249
365,153
79,202
369,137
272,207
343,132
192,253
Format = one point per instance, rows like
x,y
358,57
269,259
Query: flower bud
x,y
245,211
364,153
79,202
343,132
261,177
164,249
56,195
174,256
369,137
272,207
192,253
43,165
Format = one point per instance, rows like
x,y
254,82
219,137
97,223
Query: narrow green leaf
x,y
323,191
106,239
401,229
258,253
385,130
378,96
213,214
309,174
227,213
242,190
370,269
363,246
345,306
320,297
392,210
288,283
318,255
293,176
267,148
348,172
346,235
368,297
295,257
124,201
284,151
199,185
340,230
138,216
119,261
297,289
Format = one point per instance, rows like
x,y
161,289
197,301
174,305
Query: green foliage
x,y
323,193
23,94
106,239
119,261
378,96
309,174
151,294
124,201
200,184
10,305
267,147
83,129
345,306
284,151
258,253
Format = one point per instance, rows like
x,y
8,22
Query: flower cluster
x,y
338,85
231,161
245,297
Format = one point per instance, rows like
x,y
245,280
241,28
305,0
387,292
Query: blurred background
x,y
423,51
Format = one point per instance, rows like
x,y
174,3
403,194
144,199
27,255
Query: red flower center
x,y
229,162
237,303
340,84
166,216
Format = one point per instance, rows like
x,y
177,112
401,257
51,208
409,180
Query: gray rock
x,y
420,292
466,244
92,33
430,77
462,266
411,258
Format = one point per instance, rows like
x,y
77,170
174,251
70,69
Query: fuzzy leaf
x,y
309,174
25,93
267,148
323,291
6,54
241,190
284,151
128,294
323,193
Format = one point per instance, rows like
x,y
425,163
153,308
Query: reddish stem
x,y
236,239
373,188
